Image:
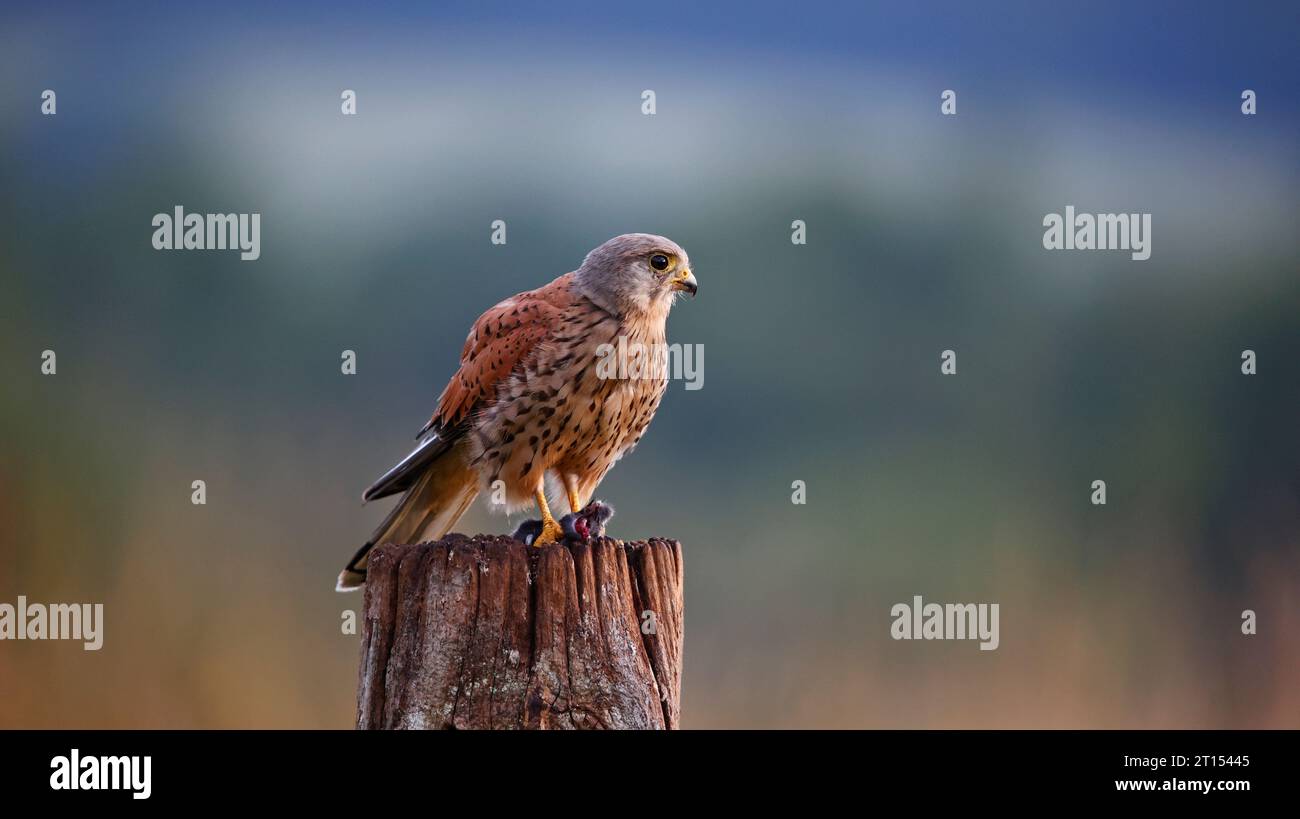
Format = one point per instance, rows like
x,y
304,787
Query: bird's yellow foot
x,y
551,532
580,526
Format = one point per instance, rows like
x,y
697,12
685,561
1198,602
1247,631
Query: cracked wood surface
x,y
486,632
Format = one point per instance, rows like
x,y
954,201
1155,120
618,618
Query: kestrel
x,y
530,399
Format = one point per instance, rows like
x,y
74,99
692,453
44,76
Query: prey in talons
x,y
578,527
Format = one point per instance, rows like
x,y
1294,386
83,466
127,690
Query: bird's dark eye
x,y
659,261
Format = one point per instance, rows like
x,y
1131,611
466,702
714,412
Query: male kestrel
x,y
530,400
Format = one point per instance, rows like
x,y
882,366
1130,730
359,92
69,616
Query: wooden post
x,y
486,632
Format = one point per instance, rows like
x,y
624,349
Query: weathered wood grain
x,y
486,632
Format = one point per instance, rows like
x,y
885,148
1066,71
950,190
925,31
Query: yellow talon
x,y
551,530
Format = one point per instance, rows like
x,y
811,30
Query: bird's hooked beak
x,y
684,279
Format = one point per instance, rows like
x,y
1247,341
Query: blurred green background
x,y
821,361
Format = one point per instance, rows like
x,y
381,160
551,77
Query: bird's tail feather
x,y
428,510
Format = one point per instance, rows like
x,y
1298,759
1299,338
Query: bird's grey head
x,y
636,273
